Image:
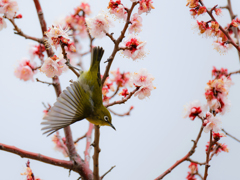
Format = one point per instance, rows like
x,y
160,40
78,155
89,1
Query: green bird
x,y
82,99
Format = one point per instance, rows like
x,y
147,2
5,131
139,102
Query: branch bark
x,y
96,152
190,153
208,157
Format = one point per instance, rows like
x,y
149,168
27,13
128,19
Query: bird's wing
x,y
68,109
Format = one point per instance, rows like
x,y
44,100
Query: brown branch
x,y
199,175
117,42
214,151
221,28
20,33
107,172
80,138
44,82
235,72
124,99
230,135
125,114
111,37
67,60
114,94
96,152
196,162
37,156
207,157
190,153
88,144
81,167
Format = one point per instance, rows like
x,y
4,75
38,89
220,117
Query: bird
x,y
81,100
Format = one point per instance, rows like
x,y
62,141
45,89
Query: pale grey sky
x,y
155,135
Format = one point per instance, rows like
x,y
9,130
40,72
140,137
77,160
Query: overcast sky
x,y
155,135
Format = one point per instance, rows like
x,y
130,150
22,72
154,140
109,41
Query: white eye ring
x,y
106,118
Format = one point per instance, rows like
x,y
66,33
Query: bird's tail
x,y
97,54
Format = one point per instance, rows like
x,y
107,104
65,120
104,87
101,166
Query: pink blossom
x,y
220,46
142,78
3,23
124,92
53,66
212,123
57,34
193,167
121,79
99,25
134,47
144,91
60,144
218,11
84,6
36,50
25,70
117,8
194,109
9,8
136,24
78,23
145,6
222,147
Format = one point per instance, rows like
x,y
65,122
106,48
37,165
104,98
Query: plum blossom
x,y
220,46
25,70
192,3
143,80
124,92
54,66
136,24
218,11
145,6
78,24
144,91
57,34
212,123
133,47
194,109
222,147
36,50
3,23
60,144
117,8
9,8
99,25
28,172
121,79
84,6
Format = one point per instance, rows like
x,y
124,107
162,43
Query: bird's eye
x,y
106,118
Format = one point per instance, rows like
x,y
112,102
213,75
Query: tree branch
x,y
207,157
37,156
190,153
20,33
88,144
107,172
220,27
117,42
80,138
125,114
96,152
44,82
196,162
230,135
124,99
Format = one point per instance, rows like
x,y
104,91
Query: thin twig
x,y
88,144
207,157
124,114
221,28
107,172
114,94
196,162
235,72
80,138
190,153
44,82
230,135
124,99
20,33
117,42
68,61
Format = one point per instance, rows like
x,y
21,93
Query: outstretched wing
x,y
67,110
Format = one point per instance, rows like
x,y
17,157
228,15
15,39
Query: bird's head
x,y
106,117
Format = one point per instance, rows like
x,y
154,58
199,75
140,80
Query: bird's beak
x,y
112,126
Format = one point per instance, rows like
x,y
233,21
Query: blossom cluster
x,y
60,144
211,28
142,80
9,9
28,173
25,69
216,94
193,170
